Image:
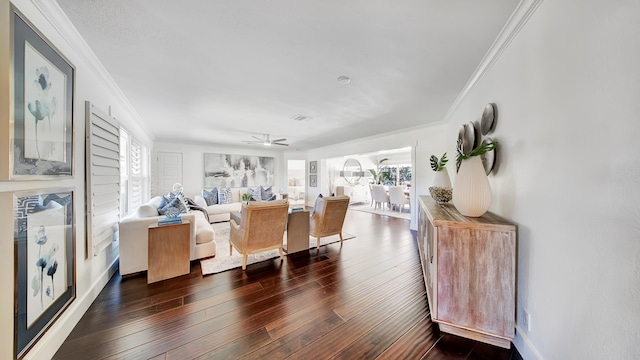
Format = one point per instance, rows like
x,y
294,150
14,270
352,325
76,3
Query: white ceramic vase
x,y
442,179
471,190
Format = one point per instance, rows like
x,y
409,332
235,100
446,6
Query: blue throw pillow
x,y
266,193
316,204
256,194
176,203
183,208
210,197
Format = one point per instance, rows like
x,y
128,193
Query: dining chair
x,y
397,197
380,196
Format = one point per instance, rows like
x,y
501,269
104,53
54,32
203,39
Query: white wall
x,y
193,163
567,89
92,273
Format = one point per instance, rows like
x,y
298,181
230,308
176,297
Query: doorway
x,y
296,181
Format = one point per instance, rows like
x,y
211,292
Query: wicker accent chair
x,y
261,228
328,217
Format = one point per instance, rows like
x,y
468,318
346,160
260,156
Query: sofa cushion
x,y
224,208
211,197
155,201
204,231
147,210
224,196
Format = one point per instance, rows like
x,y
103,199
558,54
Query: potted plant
x,y
376,173
441,189
471,190
442,175
246,197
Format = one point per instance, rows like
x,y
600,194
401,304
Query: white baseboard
x,y
58,333
525,347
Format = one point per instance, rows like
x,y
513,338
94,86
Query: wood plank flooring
x,y
363,300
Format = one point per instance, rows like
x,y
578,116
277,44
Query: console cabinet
x,y
469,268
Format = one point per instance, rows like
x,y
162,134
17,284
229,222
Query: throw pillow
x,y
224,196
211,197
315,205
266,193
256,194
183,208
176,203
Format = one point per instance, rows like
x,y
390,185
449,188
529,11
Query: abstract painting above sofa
x,y
232,171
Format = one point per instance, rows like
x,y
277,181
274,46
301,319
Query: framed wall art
x,y
231,171
313,167
313,180
42,133
44,243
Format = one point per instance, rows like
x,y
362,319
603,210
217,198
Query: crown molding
x,y
514,24
61,23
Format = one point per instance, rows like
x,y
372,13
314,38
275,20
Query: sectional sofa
x,y
220,212
134,236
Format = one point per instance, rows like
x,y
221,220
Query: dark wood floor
x,y
364,300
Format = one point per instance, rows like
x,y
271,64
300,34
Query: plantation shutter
x,y
136,174
102,179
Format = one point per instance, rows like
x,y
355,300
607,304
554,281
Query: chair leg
x,y
244,262
318,243
340,238
230,249
281,253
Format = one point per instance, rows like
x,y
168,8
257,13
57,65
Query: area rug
x,y
223,262
405,214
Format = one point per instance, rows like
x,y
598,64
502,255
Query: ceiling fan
x,y
266,141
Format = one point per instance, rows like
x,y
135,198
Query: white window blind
x,y
136,175
103,179
124,172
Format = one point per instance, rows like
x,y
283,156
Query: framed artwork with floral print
x,y
44,242
43,90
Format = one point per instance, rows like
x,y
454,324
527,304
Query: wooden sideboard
x,y
469,267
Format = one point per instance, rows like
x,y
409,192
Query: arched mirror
x,y
352,171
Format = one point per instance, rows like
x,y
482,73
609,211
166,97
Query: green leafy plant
x,y
246,197
480,150
375,173
436,164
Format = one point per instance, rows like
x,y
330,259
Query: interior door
x,y
169,171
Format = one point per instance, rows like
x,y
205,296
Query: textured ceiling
x,y
222,71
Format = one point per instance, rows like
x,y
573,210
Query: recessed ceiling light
x,y
343,79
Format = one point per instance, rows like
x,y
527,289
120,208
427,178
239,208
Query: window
x,y
134,173
395,174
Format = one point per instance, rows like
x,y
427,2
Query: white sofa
x,y
220,212
134,236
